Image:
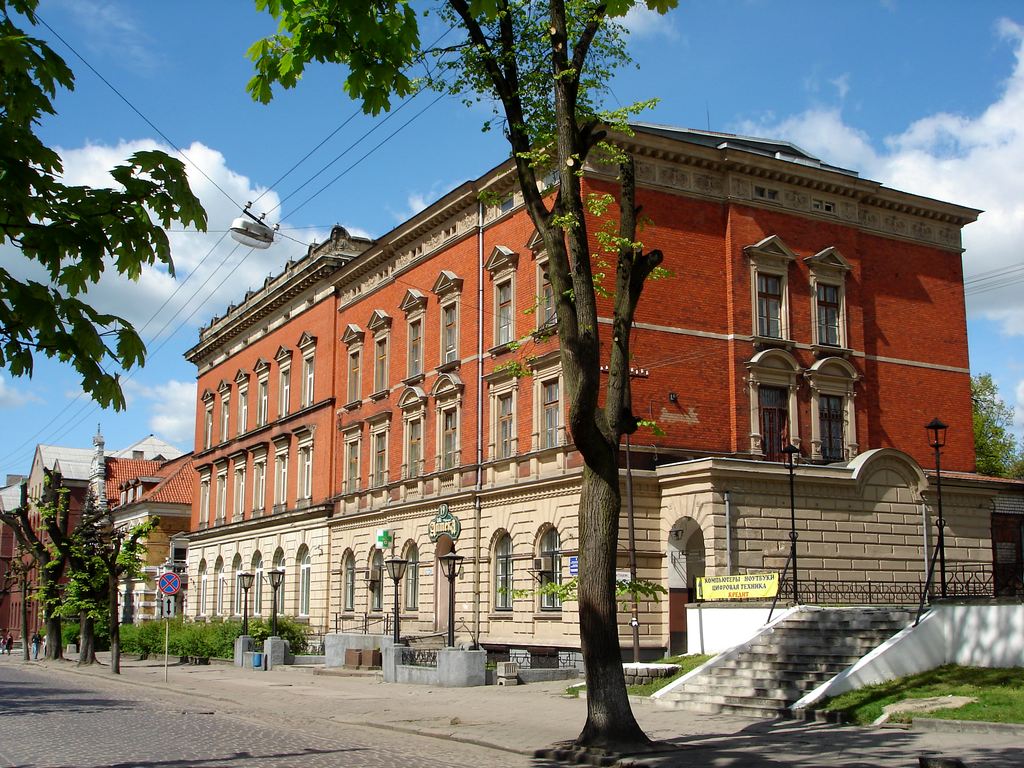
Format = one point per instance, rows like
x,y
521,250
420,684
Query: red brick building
x,y
412,384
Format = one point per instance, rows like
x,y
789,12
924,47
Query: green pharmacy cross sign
x,y
384,538
444,522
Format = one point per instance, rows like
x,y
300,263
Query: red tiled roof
x,y
120,470
177,486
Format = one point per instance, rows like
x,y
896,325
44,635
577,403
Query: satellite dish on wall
x,y
250,231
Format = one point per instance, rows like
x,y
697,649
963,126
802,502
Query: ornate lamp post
x,y
396,570
449,567
245,581
791,452
276,577
937,439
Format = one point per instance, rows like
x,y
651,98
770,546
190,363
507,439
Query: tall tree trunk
x,y
49,592
610,722
86,639
115,623
24,608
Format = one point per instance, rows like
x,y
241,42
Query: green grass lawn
x,y
1000,694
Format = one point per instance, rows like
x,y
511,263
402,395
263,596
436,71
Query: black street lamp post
x,y
449,567
276,577
245,580
791,452
937,439
396,570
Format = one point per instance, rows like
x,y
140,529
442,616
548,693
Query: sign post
x,y
170,583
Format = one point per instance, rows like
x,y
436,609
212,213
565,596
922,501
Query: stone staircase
x,y
789,661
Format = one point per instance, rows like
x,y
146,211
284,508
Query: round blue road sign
x,y
170,583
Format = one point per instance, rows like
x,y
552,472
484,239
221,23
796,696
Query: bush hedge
x,y
208,639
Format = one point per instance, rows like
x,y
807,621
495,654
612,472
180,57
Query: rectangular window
x,y
259,484
415,348
208,427
243,411
415,447
204,499
774,422
263,406
769,306
239,505
225,417
306,472
380,371
450,340
284,394
547,302
222,495
281,479
353,376
308,369
504,313
828,315
505,426
350,585
450,439
352,466
551,414
830,415
380,459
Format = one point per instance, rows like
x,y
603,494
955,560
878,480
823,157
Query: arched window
x,y
412,578
348,568
218,605
203,582
279,566
376,581
305,573
550,547
257,583
503,573
236,566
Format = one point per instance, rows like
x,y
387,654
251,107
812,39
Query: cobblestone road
x,y
50,721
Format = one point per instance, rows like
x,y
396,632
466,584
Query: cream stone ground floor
x,y
870,521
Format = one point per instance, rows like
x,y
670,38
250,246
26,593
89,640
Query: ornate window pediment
x,y
829,262
224,386
379,321
771,252
447,385
353,334
208,395
306,341
283,354
242,376
447,282
412,397
501,259
412,301
261,365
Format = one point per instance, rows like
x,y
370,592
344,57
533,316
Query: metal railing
x,y
315,644
364,624
417,657
843,592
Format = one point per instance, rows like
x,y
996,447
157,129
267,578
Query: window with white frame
x,y
414,447
203,589
503,573
412,403
257,583
414,304
348,569
259,480
772,384
506,426
204,496
218,602
376,581
225,411
412,578
236,568
352,469
207,420
448,288
551,415
828,297
281,474
284,391
242,415
551,559
502,265
353,339
262,370
380,458
447,392
280,566
307,346
380,326
770,260
833,423
239,505
503,391
306,470
305,580
222,493
450,438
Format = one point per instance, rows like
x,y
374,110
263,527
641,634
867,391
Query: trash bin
x,y
257,661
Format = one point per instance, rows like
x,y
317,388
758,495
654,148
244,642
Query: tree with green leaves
x,y
73,233
545,65
996,451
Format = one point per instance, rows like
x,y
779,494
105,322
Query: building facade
x,y
404,397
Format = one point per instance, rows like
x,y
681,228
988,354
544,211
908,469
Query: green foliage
x,y
146,639
658,431
995,448
514,368
209,639
288,628
73,232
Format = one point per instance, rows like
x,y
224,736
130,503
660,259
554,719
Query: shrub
x,y
287,628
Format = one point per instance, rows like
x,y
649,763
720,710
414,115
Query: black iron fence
x,y
362,624
417,657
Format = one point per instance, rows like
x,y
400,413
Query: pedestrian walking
x,y
36,642
9,643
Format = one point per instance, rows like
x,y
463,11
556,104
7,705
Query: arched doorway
x,y
442,546
685,565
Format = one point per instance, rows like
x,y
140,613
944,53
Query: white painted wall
x,y
713,630
969,635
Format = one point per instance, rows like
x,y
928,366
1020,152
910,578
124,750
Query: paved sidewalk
x,y
521,719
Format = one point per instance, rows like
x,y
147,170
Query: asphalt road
x,y
50,721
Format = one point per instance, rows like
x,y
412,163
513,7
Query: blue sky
x,y
927,97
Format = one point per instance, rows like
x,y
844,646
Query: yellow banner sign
x,y
748,585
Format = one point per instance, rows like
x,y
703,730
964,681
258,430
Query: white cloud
x,y
842,84
417,201
13,398
642,22
171,405
972,161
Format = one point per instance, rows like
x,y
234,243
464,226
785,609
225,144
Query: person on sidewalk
x,y
9,643
36,642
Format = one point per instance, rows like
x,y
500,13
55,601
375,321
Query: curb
x,y
966,726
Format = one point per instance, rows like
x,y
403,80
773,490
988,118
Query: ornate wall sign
x,y
445,522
